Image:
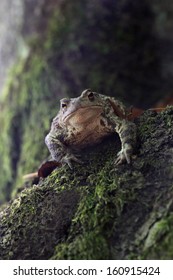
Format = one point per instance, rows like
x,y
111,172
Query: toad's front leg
x,y
127,134
59,151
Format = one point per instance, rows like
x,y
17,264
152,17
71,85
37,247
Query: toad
x,y
86,120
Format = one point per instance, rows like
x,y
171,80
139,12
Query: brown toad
x,y
85,120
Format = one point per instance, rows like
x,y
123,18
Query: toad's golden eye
x,y
91,96
64,103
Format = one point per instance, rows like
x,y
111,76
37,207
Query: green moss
x,y
26,120
22,223
82,248
155,233
28,105
103,198
159,242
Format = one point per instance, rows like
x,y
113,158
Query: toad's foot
x,y
69,158
124,155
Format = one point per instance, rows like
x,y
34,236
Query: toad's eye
x,y
91,96
64,105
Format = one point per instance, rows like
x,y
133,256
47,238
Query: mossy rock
x,y
97,210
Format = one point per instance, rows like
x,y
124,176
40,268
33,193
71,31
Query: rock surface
x,y
99,211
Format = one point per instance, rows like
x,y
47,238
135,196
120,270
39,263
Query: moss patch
x,y
22,225
159,242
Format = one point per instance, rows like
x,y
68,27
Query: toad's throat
x,y
82,115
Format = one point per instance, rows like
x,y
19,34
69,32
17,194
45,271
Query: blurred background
x,y
57,48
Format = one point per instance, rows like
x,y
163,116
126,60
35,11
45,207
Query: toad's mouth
x,y
83,115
